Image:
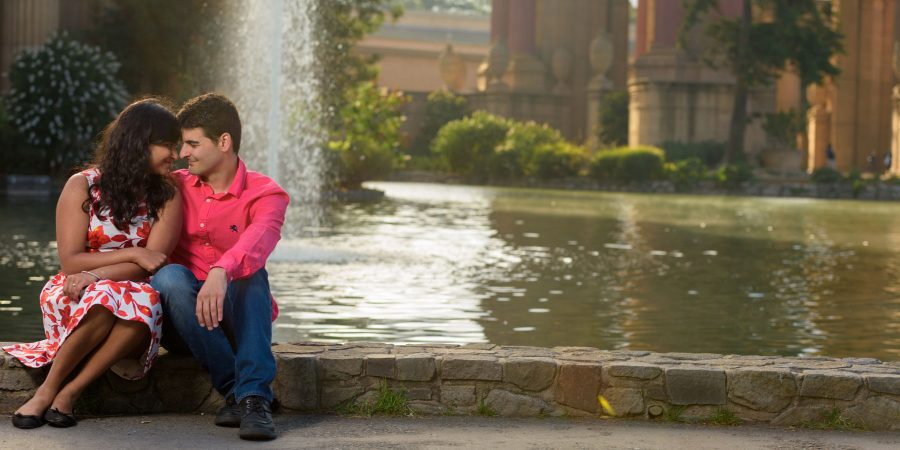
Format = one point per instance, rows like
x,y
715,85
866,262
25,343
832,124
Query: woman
x,y
116,222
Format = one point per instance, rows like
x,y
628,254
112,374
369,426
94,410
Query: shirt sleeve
x,y
258,240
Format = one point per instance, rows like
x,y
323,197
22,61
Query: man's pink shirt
x,y
235,230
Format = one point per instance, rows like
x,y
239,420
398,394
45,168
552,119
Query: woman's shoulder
x,y
91,174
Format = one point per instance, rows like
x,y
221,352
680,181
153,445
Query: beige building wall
x,y
413,67
410,47
409,56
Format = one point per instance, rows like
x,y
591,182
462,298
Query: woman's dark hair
x,y
123,158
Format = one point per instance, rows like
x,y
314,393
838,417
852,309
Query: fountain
x,y
273,80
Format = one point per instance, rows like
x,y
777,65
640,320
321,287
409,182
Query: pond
x,y
460,264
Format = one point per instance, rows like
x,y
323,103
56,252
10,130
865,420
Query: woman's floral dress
x,y
128,300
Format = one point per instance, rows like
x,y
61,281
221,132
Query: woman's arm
x,y
71,228
162,241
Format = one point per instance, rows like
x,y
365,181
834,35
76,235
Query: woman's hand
x,y
76,284
149,260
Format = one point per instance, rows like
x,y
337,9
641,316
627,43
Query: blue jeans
x,y
237,354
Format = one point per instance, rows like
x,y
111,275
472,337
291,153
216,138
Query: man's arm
x,y
250,252
244,258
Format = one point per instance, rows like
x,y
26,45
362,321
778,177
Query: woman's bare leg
x,y
93,329
124,337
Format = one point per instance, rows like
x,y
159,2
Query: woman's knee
x,y
99,313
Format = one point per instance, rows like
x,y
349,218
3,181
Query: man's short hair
x,y
215,114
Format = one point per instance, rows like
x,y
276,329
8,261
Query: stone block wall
x,y
519,381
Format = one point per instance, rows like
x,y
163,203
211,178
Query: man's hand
x,y
211,298
75,285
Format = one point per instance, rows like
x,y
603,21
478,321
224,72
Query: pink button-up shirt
x,y
235,230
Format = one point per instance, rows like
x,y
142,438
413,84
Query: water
x,y
435,263
273,78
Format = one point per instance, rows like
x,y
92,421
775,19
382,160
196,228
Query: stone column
x,y
601,56
640,45
26,24
862,109
526,71
818,129
499,20
895,116
491,71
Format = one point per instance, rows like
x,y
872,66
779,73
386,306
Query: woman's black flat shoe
x,y
59,420
27,422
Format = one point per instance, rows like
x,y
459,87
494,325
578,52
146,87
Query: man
x,y
215,294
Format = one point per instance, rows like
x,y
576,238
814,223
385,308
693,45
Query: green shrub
x,y
468,145
425,162
503,164
709,152
441,107
561,161
686,173
628,164
366,145
62,96
732,175
612,126
857,182
518,154
825,175
484,146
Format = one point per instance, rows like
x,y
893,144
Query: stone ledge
x,y
517,381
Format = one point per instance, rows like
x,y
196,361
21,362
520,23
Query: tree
x,y
62,96
343,24
612,126
368,140
757,49
166,46
442,107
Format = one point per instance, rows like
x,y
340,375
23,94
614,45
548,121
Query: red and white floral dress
x,y
128,300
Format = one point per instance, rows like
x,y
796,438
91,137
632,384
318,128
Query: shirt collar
x,y
237,185
240,180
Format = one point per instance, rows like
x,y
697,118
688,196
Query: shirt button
x,y
202,225
208,200
206,244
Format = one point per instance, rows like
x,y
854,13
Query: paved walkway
x,y
318,431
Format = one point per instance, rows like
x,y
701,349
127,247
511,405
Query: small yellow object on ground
x,y
607,408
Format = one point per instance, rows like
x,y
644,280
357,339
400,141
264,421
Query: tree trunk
x,y
735,144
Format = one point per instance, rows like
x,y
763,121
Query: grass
x,y
673,413
388,402
722,416
832,421
485,410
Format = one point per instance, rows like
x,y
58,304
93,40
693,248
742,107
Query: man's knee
x,y
259,280
173,279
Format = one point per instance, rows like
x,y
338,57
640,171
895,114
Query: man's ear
x,y
225,142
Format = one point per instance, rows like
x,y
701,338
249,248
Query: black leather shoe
x,y
27,422
230,414
59,420
256,419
